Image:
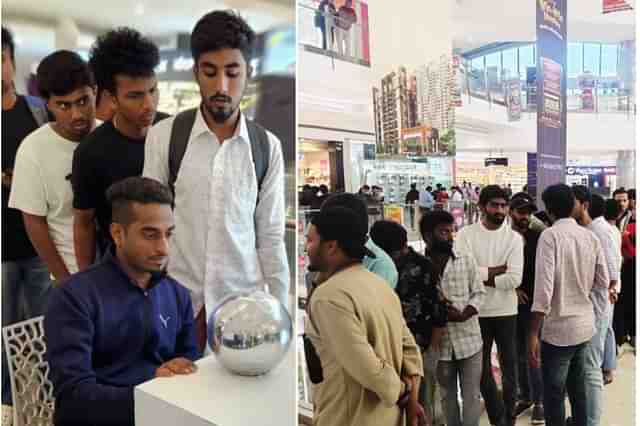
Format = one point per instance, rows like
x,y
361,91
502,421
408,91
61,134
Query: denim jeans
x,y
502,330
25,286
429,389
529,378
564,369
469,371
593,369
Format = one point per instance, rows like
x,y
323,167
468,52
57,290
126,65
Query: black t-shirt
x,y
531,238
103,158
412,196
17,123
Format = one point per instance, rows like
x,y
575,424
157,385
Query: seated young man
x,y
123,321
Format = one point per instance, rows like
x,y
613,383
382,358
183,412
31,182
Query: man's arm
x,y
344,335
477,292
85,201
38,232
156,152
544,276
512,278
84,237
69,330
270,226
612,260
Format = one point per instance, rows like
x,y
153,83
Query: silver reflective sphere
x,y
250,332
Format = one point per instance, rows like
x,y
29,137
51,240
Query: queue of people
x,y
93,210
544,296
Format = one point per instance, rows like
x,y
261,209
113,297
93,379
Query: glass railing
x,y
334,33
605,100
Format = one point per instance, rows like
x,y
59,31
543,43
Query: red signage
x,y
609,6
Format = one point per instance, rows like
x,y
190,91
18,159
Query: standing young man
x,y
521,209
570,264
42,176
460,352
622,197
227,174
370,361
123,62
25,278
498,252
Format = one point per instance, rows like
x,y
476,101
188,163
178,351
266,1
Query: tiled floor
x,y
619,397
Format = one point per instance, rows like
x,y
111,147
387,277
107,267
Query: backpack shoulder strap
x,y
38,109
180,132
260,150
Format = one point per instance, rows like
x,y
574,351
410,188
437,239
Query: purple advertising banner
x,y
551,25
532,172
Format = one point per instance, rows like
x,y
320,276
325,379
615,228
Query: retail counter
x,y
215,397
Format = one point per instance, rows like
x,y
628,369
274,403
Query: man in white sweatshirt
x,y
498,251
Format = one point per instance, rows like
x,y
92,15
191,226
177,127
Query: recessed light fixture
x,y
139,9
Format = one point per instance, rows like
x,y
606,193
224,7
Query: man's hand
x,y
455,315
436,338
613,296
523,299
7,177
534,351
497,270
176,366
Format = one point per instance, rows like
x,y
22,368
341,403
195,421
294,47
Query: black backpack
x,y
181,130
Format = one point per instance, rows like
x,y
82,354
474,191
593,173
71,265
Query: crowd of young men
x,y
86,239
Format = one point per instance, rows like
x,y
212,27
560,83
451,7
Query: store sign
x,y
609,6
551,50
496,161
591,171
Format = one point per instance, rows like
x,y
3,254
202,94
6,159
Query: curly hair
x,y
122,51
222,30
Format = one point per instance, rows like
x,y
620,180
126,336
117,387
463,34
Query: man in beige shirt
x,y
371,365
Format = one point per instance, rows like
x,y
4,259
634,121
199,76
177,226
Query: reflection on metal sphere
x,y
250,332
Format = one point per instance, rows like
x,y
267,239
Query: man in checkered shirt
x,y
461,346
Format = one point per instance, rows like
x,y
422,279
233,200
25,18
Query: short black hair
x,y
631,193
619,191
390,236
559,200
429,188
582,193
413,186
61,73
596,206
492,192
432,219
222,30
122,51
353,203
7,43
612,209
339,224
135,189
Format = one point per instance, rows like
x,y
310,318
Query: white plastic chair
x,y
32,390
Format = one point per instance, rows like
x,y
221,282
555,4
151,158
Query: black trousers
x,y
624,314
501,330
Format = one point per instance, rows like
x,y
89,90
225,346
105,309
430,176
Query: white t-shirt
x,y
491,249
42,186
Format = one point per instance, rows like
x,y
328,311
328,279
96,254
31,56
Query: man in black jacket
x,y
521,209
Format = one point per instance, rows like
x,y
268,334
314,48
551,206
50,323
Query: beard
x,y
496,219
220,114
442,246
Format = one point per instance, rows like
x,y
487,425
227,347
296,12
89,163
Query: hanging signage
x,y
609,6
514,100
496,161
587,85
551,50
591,171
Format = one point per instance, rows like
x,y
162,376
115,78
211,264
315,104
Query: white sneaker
x,y
7,415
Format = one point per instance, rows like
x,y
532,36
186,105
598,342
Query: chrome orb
x,y
250,332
